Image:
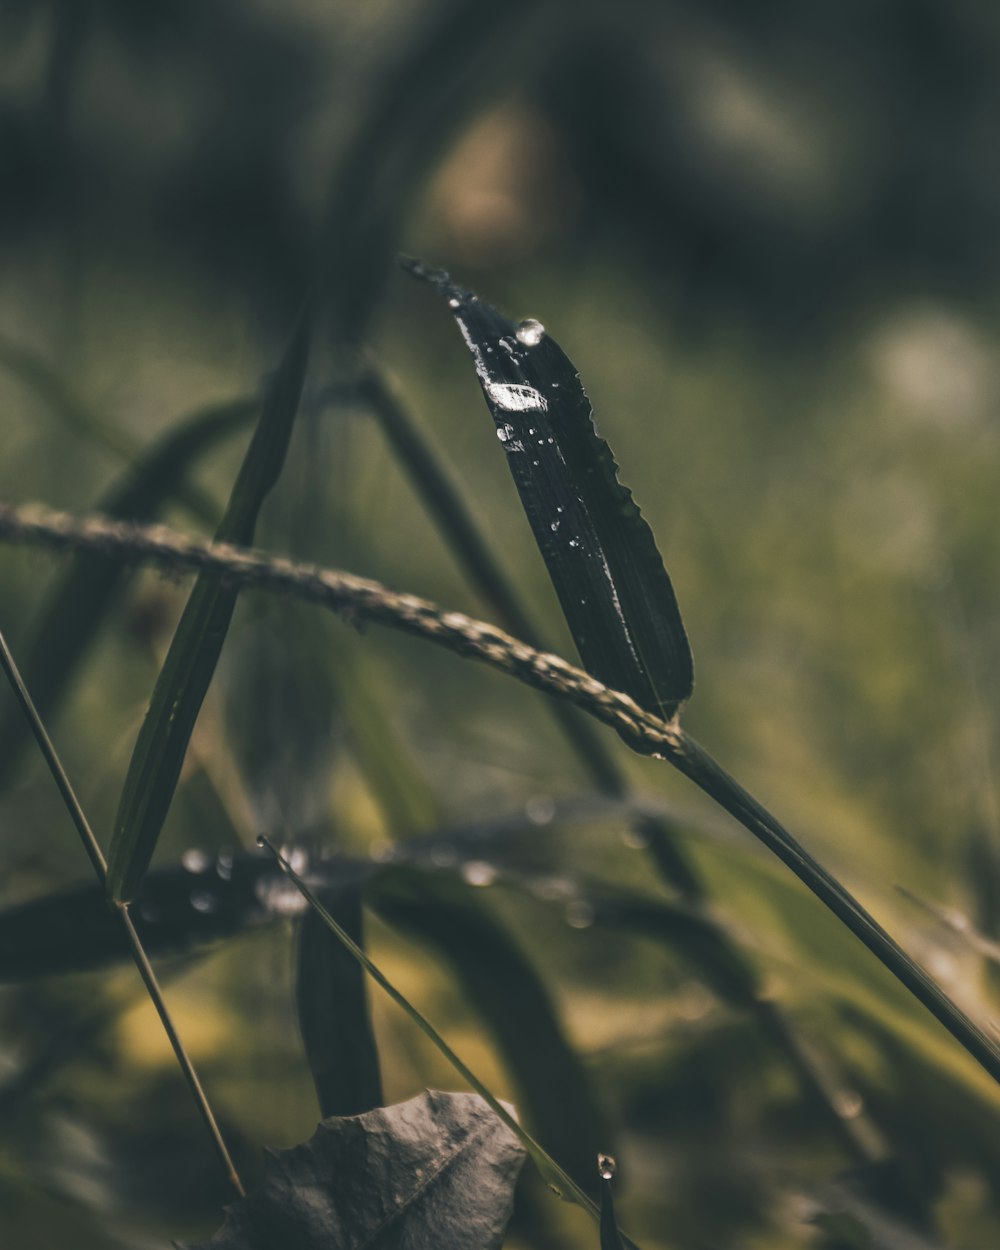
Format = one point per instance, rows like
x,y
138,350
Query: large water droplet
x,y
530,332
607,1167
196,861
516,398
479,872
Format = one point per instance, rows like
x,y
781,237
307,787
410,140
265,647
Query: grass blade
x,y
332,1000
82,598
504,989
453,517
600,553
190,664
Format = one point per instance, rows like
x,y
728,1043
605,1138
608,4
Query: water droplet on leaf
x,y
204,902
530,332
607,1167
540,809
478,872
579,914
195,861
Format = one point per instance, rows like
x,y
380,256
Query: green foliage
x,y
785,317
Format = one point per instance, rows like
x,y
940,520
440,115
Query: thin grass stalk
x,y
360,597
99,864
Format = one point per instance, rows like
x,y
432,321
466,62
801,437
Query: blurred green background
x,y
766,236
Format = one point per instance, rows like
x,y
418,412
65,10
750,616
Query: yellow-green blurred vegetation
x,y
766,235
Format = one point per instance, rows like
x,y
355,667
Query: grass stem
x,y
99,863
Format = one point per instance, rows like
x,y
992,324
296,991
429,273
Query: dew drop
x,y
636,838
554,526
261,841
848,1103
550,888
194,860
224,865
572,541
203,901
297,859
515,397
454,302
479,872
579,914
540,809
280,896
530,332
504,432
607,1167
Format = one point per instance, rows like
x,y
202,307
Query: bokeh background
x,y
766,235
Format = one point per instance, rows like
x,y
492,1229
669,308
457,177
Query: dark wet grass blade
x,y
86,592
502,986
190,664
600,553
332,1001
456,522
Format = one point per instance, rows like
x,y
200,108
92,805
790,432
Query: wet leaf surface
x,y
434,1173
600,553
